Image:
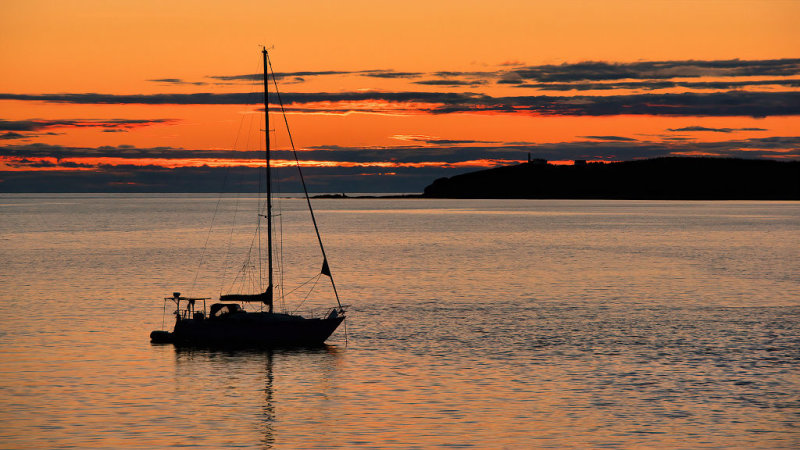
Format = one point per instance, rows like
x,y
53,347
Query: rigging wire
x,y
304,283
227,257
208,235
281,265
217,206
243,277
226,260
280,287
164,314
243,272
316,278
303,182
281,278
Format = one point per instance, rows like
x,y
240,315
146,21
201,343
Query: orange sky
x,y
120,48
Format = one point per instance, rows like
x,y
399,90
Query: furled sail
x,y
265,297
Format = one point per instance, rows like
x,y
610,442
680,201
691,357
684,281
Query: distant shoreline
x,y
674,178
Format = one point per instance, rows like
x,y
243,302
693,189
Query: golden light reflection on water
x,y
474,324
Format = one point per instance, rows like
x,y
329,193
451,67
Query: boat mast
x,y
269,180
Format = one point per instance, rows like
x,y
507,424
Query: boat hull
x,y
255,329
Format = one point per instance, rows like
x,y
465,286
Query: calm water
x,y
478,324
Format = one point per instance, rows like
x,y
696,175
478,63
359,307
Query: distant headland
x,y
673,178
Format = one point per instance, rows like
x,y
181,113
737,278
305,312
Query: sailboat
x,y
227,322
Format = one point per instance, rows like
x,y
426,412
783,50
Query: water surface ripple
x,y
474,324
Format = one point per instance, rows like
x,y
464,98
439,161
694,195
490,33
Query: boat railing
x,y
187,307
321,312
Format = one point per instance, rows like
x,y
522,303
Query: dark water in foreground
x,y
477,324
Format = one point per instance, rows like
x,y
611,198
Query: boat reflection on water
x,y
222,383
268,411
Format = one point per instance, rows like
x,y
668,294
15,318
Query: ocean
x,y
472,324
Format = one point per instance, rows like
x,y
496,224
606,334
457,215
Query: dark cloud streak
x,y
447,82
178,81
655,85
114,124
715,130
39,150
604,71
611,138
733,103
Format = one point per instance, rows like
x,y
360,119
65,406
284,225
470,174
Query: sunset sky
x,y
385,96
